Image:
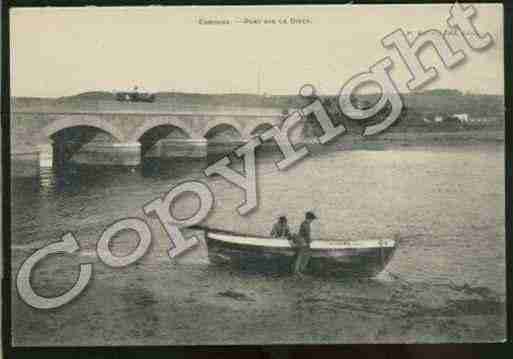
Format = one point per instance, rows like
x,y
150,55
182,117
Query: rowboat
x,y
328,258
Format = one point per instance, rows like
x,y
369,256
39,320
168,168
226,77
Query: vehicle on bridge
x,y
134,96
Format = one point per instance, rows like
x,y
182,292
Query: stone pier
x,y
122,154
188,148
45,154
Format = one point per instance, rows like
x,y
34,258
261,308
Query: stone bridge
x,y
119,135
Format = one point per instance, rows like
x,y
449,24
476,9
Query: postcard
x,y
257,175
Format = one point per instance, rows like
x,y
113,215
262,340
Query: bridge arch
x,y
65,123
258,126
223,121
162,121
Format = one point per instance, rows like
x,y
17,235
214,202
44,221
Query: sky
x,y
64,51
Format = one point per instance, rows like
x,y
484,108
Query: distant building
x,y
478,120
432,118
463,117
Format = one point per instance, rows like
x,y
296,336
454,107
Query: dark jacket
x,y
305,233
280,230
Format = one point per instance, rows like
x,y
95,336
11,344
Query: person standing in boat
x,y
303,241
281,228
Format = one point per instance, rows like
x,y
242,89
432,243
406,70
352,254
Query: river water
x,y
444,203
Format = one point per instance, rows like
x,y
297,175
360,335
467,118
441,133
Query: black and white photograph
x,y
257,175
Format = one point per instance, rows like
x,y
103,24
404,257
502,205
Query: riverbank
x,y
348,141
393,140
26,162
157,302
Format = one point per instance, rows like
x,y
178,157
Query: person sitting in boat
x,y
281,228
303,241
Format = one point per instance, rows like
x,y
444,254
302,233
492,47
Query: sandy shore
x,y
157,302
